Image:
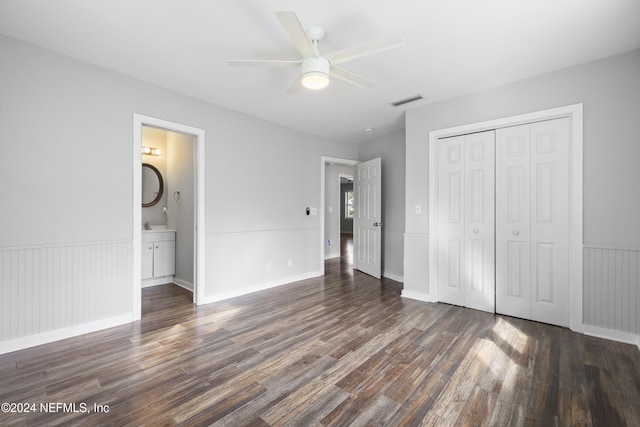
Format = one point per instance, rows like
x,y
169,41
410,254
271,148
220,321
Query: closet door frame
x,y
575,114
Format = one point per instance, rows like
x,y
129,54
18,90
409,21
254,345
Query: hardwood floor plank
x,y
306,410
343,349
365,393
377,413
408,381
278,389
212,413
417,407
477,408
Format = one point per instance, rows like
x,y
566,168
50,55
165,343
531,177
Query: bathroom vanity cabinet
x,y
158,257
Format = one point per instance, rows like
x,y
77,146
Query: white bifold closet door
x,y
532,221
466,232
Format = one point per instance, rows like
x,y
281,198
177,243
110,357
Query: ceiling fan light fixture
x,y
315,73
315,80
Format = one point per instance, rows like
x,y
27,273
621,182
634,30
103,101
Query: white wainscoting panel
x,y
45,289
416,268
393,254
612,293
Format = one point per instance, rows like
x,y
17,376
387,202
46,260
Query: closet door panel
x,y
479,221
513,227
451,205
550,221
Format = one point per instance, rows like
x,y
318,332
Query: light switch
x,y
418,209
330,209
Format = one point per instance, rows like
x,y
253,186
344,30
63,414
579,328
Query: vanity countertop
x,y
158,234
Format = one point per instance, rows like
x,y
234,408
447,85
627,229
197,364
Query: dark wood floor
x,y
344,349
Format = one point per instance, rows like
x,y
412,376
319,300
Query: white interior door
x,y
532,231
367,221
479,221
550,225
450,244
513,224
465,219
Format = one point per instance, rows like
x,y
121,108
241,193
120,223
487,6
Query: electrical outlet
x,y
329,242
268,266
289,262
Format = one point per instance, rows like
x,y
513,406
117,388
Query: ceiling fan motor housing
x,y
315,72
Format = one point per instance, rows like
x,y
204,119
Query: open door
x,y
367,221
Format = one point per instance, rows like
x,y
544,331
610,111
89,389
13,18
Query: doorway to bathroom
x,y
168,244
168,208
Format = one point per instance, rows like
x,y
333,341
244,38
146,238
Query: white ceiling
x,y
452,47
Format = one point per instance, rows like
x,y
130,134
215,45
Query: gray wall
x,y
156,138
66,168
181,208
391,149
610,92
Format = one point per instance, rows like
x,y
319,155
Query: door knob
x,y
516,232
476,231
377,224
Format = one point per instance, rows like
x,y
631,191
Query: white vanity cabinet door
x,y
164,258
147,260
158,260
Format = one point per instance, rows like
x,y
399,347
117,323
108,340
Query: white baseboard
x,y
417,296
60,334
394,277
260,287
610,334
147,283
183,284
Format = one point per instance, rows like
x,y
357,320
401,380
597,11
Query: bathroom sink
x,y
156,228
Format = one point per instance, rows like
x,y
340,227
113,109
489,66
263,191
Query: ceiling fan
x,y
315,69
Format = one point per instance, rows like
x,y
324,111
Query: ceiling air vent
x,y
406,101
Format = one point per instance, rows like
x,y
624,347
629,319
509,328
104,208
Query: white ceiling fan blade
x,y
296,87
365,49
350,77
262,63
292,24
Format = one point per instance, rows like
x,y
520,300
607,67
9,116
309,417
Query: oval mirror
x,y
152,185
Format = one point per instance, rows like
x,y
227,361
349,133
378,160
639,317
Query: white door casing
x,y
139,121
367,221
465,220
